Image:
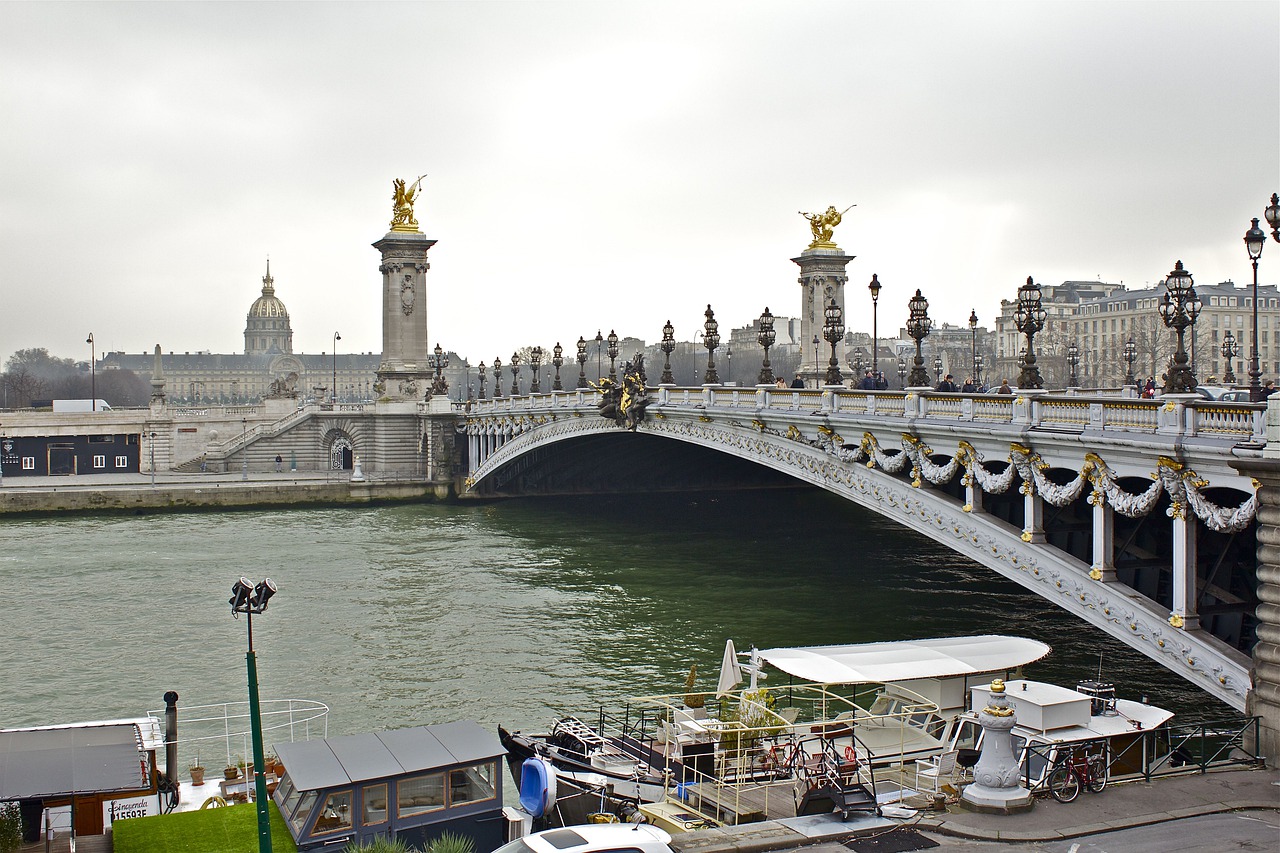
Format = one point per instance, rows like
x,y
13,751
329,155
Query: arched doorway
x,y
341,454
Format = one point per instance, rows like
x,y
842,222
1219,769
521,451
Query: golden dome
x,y
267,305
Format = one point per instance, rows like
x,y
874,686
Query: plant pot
x,y
197,776
231,773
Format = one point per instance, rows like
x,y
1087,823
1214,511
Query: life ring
x,y
213,802
851,755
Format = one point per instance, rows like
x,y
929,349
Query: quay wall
x,y
211,496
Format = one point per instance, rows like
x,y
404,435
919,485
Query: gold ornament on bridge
x,y
823,226
402,218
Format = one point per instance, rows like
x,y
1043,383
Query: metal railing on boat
x,y
228,723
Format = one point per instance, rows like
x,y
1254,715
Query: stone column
x,y
997,778
822,278
404,372
1033,512
1183,613
1104,567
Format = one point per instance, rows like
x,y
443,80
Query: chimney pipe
x,y
171,737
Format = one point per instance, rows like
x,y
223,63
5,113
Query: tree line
x,y
32,375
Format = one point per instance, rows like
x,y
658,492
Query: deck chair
x,y
935,772
789,714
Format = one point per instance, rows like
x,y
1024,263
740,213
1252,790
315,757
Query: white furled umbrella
x,y
730,672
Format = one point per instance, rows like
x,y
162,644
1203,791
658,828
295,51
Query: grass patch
x,y
232,829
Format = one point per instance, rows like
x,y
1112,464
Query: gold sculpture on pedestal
x,y
402,218
823,225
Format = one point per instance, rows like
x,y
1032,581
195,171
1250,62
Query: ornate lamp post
x,y
1254,240
612,352
515,374
497,378
599,346
1130,356
1272,213
535,359
728,360
1029,318
711,340
973,346
902,373
858,365
978,363
667,346
244,448
874,287
1230,349
482,380
918,326
937,369
252,600
1179,309
582,362
833,333
93,371
817,357
1073,362
337,337
439,360
766,337
557,359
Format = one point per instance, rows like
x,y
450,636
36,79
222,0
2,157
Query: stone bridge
x,y
1130,514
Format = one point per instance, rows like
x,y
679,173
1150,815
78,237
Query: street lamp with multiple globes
x,y
497,378
766,338
937,369
1029,318
482,370
973,345
535,359
93,373
918,327
874,287
1254,240
581,361
557,359
612,352
833,333
667,346
1272,214
711,340
439,360
1230,349
252,600
1130,356
515,374
599,349
902,373
1073,362
1179,309
337,337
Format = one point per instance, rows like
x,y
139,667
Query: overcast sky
x,y
612,165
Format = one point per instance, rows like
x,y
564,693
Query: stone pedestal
x,y
997,778
822,278
404,373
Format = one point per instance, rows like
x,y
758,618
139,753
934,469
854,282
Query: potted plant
x,y
274,765
197,771
232,770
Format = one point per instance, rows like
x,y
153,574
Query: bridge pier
x,y
1264,697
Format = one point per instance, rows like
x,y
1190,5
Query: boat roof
x,y
148,727
904,660
337,761
65,760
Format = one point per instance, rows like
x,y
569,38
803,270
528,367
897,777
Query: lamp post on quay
x,y
973,346
833,333
1179,309
667,346
1230,349
1130,356
937,369
152,436
582,362
93,371
337,337
711,340
599,341
244,448
1254,240
557,360
1029,317
978,363
874,287
766,339
728,359
918,326
817,358
1073,362
902,373
252,600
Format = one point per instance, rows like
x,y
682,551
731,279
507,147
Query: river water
x,y
503,613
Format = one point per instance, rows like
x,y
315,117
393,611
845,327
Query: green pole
x,y
259,763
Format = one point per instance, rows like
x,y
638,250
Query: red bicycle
x,y
1075,769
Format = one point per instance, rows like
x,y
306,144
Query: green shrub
x,y
10,827
379,845
448,842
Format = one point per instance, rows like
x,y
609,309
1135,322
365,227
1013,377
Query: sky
x,y
612,165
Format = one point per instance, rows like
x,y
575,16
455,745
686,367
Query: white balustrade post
x,y
1103,568
972,495
1184,613
1033,522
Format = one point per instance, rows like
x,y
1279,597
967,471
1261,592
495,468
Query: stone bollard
x,y
357,473
997,786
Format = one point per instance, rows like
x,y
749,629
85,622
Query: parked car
x,y
1211,392
593,838
1234,397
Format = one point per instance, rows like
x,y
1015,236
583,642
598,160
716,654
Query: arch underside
x,y
527,462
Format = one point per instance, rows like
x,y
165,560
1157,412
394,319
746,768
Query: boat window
x,y
288,795
471,784
1035,762
336,813
374,798
420,794
300,815
967,735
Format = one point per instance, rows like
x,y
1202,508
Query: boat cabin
x,y
410,784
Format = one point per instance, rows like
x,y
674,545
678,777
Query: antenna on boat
x,y
1099,666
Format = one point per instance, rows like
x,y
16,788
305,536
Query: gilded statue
x,y
823,225
402,218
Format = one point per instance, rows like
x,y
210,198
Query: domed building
x,y
267,330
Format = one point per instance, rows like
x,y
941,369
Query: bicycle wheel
x,y
1098,772
1064,784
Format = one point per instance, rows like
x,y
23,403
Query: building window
x,y
122,461
28,463
99,462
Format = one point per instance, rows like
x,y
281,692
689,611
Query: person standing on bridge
x,y
947,384
1004,387
797,382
